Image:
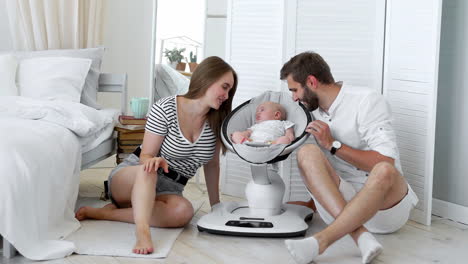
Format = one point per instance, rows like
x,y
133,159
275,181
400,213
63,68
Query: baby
x,y
270,126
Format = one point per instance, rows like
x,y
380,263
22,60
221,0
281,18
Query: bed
x,y
45,145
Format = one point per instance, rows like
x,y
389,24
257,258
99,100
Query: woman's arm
x,y
211,170
150,149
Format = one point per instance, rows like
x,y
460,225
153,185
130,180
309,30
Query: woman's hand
x,y
152,164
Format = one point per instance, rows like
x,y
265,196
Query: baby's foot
x,y
303,250
144,244
369,247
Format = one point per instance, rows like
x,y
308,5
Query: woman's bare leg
x,y
131,187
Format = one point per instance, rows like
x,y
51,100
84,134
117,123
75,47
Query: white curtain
x,y
55,24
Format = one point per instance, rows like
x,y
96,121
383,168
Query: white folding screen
x,y
350,37
391,46
410,85
254,48
348,34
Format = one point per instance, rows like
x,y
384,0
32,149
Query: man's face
x,y
303,94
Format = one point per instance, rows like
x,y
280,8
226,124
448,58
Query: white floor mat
x,y
108,238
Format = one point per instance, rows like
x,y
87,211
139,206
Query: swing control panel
x,y
250,222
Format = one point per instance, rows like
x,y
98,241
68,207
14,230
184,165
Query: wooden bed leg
x,y
9,250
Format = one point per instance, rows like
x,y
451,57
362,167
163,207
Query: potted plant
x,y
193,62
175,58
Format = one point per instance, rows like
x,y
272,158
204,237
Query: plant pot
x,y
173,64
192,66
180,66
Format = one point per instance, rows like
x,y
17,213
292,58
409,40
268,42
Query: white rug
x,y
109,238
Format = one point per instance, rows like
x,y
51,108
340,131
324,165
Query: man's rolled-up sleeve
x,y
375,125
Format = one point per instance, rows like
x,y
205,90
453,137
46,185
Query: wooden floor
x,y
443,242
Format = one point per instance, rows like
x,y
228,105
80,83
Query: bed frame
x,y
110,83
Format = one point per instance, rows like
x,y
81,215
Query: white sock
x,y
369,246
303,250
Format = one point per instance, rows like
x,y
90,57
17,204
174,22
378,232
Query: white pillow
x,y
8,65
89,93
53,78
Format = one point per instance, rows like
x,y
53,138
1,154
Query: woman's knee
x,y
144,175
182,212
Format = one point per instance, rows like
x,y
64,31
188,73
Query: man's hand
x,y
321,132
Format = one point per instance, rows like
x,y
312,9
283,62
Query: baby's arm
x,y
239,137
287,138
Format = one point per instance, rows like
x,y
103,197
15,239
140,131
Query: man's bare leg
x,y
384,188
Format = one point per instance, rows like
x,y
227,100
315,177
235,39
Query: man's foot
x,y
310,204
88,212
369,247
144,244
303,250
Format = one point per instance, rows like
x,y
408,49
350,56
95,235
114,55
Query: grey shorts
x,y
164,184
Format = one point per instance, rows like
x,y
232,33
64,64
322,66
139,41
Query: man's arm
x,y
363,159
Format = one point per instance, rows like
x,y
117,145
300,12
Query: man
x,y
353,172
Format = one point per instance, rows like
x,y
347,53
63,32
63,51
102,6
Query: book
x,y
129,128
129,151
131,120
131,136
128,147
129,142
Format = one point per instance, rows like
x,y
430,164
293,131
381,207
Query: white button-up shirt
x,y
360,118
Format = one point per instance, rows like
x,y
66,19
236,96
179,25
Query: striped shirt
x,y
182,155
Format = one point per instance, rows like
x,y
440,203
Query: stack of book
x,y
130,135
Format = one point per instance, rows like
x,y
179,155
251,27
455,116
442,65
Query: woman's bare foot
x,y
88,212
144,244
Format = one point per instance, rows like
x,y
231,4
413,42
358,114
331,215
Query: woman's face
x,y
218,92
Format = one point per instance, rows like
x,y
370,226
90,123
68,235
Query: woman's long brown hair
x,y
208,72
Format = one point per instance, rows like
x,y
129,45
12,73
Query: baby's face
x,y
266,111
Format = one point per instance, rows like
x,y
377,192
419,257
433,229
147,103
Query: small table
x,y
129,137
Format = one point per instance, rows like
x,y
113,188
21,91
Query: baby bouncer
x,y
264,214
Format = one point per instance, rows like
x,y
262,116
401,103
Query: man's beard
x,y
310,99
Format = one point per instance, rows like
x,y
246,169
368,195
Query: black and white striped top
x,y
182,155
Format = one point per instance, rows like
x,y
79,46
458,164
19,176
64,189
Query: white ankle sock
x,y
303,250
369,247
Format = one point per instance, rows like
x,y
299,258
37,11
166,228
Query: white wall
x,y
127,38
215,28
451,156
5,37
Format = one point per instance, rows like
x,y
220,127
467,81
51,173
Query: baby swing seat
x,y
264,214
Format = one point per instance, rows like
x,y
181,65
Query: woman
x,y
181,135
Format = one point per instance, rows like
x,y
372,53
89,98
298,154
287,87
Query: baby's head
x,y
269,111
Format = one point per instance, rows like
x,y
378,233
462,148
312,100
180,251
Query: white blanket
x,y
40,157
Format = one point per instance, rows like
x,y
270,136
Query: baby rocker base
x,y
236,219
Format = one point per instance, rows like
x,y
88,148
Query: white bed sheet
x,y
40,155
92,141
